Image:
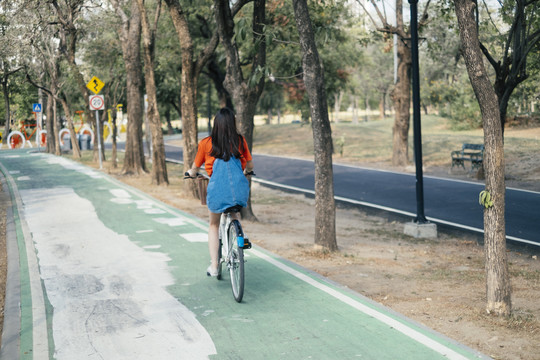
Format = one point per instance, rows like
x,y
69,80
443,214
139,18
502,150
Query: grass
x,y
366,141
370,144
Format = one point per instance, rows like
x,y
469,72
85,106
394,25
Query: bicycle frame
x,y
224,223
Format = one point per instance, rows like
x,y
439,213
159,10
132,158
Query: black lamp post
x,y
420,217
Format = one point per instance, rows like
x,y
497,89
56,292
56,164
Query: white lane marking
x,y
152,247
195,237
154,211
144,231
107,304
176,221
404,329
120,193
143,204
122,201
23,178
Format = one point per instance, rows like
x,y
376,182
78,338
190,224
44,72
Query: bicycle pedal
x,y
247,244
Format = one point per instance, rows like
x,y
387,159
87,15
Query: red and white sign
x,y
97,102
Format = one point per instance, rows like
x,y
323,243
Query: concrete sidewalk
x,y
99,270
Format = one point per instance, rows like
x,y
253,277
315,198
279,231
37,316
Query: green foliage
x,y
22,96
485,199
457,103
331,22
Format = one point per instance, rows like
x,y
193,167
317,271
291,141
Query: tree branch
x,y
29,79
424,18
494,63
368,14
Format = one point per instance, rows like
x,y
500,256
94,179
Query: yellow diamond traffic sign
x,y
95,85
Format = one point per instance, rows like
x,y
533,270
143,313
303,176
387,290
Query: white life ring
x,y
84,129
61,135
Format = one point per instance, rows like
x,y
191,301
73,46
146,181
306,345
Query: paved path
x,y
99,270
446,201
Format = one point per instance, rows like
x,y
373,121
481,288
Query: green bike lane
x,y
107,272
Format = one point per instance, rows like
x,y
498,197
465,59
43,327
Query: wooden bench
x,y
469,152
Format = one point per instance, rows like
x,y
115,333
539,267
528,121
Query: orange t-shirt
x,y
203,155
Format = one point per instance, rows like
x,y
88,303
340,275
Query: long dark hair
x,y
226,140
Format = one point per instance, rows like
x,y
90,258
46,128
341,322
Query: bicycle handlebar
x,y
187,176
198,175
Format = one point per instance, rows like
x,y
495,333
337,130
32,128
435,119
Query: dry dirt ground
x,y
437,282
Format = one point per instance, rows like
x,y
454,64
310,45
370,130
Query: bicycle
x,y
232,243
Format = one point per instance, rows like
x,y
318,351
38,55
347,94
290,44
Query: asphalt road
x,y
446,201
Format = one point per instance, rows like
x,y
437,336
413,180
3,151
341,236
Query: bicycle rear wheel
x,y
235,261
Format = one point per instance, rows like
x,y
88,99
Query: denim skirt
x,y
228,186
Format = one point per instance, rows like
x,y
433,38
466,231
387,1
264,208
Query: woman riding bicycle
x,y
227,161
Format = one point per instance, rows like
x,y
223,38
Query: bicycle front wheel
x,y
236,260
16,140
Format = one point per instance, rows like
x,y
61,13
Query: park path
x,y
99,270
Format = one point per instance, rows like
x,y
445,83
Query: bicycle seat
x,y
233,209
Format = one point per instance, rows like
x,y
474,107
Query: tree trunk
x,y
114,131
401,96
170,130
56,122
159,166
368,109
497,277
354,102
218,77
337,105
189,89
382,105
325,211
130,34
53,147
191,70
71,128
6,74
7,116
245,97
69,30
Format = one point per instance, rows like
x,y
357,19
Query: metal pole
x,y
39,120
99,140
420,217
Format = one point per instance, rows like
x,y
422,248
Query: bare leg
x,y
213,240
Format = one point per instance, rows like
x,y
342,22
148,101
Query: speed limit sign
x,y
97,102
